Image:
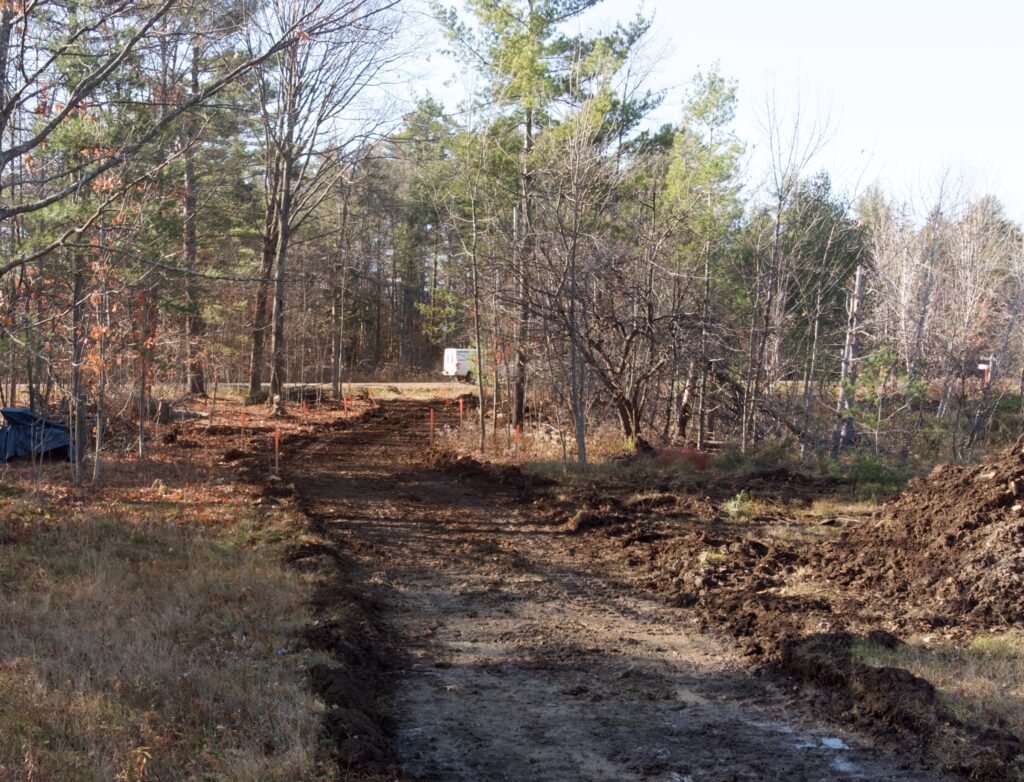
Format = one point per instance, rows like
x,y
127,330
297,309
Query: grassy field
x,y
149,630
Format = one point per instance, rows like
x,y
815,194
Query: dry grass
x,y
539,445
982,681
379,390
410,391
148,630
839,508
818,521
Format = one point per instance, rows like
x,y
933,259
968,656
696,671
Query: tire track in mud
x,y
514,652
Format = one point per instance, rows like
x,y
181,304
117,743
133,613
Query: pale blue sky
x,y
911,88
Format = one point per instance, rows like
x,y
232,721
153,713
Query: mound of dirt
x,y
353,684
949,550
468,469
587,519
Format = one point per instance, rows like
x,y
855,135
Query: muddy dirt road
x,y
518,656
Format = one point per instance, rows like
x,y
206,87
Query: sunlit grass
x,y
135,646
981,681
837,507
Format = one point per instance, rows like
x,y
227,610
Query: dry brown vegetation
x,y
982,680
149,629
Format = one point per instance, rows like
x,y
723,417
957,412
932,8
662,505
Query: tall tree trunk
x,y
337,332
339,282
806,442
576,376
103,321
497,348
748,404
260,314
195,380
844,432
143,373
475,261
79,428
277,356
522,274
685,408
704,359
30,374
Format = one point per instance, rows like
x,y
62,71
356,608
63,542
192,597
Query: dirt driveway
x,y
520,655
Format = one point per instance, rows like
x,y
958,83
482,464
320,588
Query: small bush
x,y
740,506
767,455
258,398
1010,404
874,477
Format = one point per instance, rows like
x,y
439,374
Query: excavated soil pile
x,y
949,551
470,470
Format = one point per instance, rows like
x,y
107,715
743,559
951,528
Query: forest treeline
x,y
200,194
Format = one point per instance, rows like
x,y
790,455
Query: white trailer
x,y
459,363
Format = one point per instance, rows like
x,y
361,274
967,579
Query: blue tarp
x,y
25,433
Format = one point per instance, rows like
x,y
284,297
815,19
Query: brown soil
x,y
949,552
478,635
947,555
